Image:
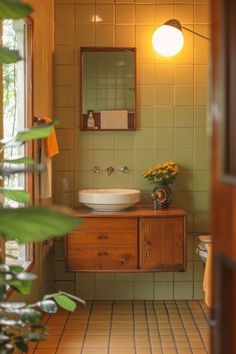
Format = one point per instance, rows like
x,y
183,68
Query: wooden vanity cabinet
x,y
162,244
139,240
103,244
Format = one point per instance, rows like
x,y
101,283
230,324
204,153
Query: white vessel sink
x,y
109,199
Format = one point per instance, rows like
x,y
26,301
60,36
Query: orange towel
x,y
50,143
207,281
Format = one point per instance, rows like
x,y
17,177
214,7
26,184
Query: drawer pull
x,y
100,254
103,237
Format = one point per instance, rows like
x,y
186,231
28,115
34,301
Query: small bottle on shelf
x,y
90,121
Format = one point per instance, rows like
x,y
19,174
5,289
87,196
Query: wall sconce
x,y
168,39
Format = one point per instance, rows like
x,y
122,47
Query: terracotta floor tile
x,y
45,351
160,327
68,351
94,351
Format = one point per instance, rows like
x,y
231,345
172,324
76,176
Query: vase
x,y
162,197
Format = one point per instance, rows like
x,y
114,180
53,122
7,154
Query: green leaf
x,y
14,9
34,224
30,315
8,56
48,306
24,160
22,346
15,194
23,287
65,302
16,269
37,132
76,298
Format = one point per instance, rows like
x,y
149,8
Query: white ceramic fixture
x,y
109,199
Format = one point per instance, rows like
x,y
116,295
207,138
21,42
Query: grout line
x,y
148,330
170,323
183,325
133,314
110,331
62,333
86,330
196,324
158,329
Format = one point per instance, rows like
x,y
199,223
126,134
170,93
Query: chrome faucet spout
x,y
110,170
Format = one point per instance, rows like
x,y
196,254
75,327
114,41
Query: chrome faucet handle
x,y
110,170
96,169
124,169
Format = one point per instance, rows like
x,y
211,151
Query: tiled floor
x,y
129,327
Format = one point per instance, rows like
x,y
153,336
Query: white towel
x,y
115,119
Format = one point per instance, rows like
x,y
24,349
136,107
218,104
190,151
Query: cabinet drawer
x,y
98,239
109,258
109,224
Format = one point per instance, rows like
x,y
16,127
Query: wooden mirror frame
x,y
97,115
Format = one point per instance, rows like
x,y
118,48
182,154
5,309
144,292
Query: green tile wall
x,y
171,125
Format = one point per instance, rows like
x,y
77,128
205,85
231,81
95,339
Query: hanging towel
x,y
48,150
50,143
207,281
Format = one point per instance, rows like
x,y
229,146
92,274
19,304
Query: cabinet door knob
x,y
100,254
147,242
103,237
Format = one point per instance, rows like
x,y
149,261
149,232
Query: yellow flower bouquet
x,y
161,177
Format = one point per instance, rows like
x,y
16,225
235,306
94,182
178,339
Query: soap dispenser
x,y
90,121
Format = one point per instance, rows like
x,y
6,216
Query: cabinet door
x,y
162,243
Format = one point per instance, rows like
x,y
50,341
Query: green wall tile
x,y
103,158
200,116
124,157
164,116
201,180
143,158
201,201
124,180
201,139
104,140
183,116
164,138
201,159
183,95
201,95
164,95
201,222
123,140
163,155
143,290
124,290
183,138
198,270
145,116
183,290
184,158
198,293
105,290
144,138
164,290
185,276
163,276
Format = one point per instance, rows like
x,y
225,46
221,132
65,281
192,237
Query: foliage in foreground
x,y
20,322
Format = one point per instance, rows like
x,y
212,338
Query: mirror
x,y
108,88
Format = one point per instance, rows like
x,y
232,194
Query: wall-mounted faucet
x,y
96,169
110,170
124,169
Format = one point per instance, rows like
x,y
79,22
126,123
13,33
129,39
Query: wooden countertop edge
x,y
136,211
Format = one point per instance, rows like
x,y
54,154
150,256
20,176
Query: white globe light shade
x,y
167,40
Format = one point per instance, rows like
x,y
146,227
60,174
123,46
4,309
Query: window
x,y
17,115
